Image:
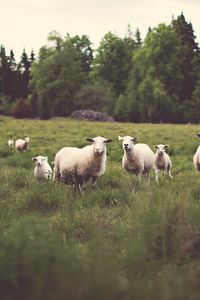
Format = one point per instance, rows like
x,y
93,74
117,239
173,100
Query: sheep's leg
x,y
56,174
134,187
157,174
149,178
78,185
170,174
94,180
138,179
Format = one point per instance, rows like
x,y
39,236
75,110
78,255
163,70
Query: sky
x,y
27,23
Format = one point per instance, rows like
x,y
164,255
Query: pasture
x,y
109,243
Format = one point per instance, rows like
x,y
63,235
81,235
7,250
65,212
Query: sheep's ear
x,y
108,141
166,146
155,146
134,139
46,157
198,134
34,158
120,138
90,140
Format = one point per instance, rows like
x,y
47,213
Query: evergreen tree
x,y
24,69
138,38
189,55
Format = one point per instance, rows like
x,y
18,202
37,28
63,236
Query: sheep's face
x,y
127,142
161,149
27,140
11,143
99,144
40,160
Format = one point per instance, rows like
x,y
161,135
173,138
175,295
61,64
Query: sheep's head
x,y
27,140
127,142
99,144
161,148
40,160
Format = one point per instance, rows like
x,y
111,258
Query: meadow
x,y
110,243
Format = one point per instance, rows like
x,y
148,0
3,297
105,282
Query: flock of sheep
x,y
76,166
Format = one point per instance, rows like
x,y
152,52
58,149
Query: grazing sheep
x,y
196,158
78,165
11,143
162,161
138,159
21,145
42,169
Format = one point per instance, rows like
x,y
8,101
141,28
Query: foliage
x,y
84,46
56,76
113,61
161,82
22,109
97,96
155,80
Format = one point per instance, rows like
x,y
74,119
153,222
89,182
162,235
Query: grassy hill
x,y
109,243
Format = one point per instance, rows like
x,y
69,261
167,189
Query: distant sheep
x,y
21,145
11,143
196,158
162,161
42,169
78,165
138,159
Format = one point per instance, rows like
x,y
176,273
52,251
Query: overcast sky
x,y
26,23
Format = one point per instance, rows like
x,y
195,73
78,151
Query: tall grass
x,y
110,243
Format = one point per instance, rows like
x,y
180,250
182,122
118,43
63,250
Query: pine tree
x,y
190,54
138,38
24,69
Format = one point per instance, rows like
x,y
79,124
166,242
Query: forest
x,y
155,80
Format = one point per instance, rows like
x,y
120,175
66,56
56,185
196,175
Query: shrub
x,y
22,109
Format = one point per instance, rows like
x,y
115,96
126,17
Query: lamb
x,y
42,169
78,165
11,143
196,158
138,159
21,145
162,161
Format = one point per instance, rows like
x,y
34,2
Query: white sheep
x,y
78,165
138,159
196,158
42,169
162,161
11,143
21,145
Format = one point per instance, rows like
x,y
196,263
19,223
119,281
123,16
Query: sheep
x,y
196,158
11,143
138,159
42,169
162,161
78,165
21,145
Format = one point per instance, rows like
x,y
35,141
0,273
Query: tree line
x,y
152,80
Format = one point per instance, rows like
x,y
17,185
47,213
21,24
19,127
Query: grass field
x,y
109,243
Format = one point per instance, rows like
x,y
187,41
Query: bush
x,y
98,96
22,109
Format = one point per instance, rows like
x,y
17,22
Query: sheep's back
x,y
19,144
147,154
196,159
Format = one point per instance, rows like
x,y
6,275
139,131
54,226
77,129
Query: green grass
x,y
109,243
